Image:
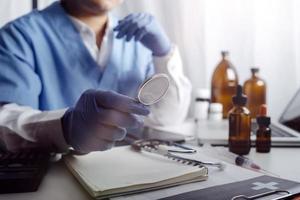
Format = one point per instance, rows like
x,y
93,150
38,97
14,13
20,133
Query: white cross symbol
x,y
260,185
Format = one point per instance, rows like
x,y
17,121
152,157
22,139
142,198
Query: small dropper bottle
x,y
239,124
263,134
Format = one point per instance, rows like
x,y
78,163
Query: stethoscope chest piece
x,y
153,89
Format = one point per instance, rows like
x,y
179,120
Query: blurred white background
x,y
264,33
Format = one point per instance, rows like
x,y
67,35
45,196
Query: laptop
x,y
285,132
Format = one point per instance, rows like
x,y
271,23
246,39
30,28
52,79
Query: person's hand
x,y
143,27
100,118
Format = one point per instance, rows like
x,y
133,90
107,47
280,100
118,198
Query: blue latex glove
x,y
99,119
144,28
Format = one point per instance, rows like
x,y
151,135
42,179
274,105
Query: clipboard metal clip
x,y
280,193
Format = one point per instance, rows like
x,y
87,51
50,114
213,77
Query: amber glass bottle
x,y
263,134
223,84
239,124
255,89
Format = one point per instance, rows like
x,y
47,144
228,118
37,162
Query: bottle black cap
x,y
262,118
254,70
239,99
224,53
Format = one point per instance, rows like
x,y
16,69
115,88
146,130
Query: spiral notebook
x,y
121,171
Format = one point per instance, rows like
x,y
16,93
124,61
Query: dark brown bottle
x,y
224,82
239,124
255,89
263,134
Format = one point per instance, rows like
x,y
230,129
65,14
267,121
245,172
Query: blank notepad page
x,y
122,167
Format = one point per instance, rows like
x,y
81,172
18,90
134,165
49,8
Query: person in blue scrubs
x,y
46,65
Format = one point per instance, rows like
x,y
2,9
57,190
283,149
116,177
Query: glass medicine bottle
x,y
263,134
239,124
255,89
223,84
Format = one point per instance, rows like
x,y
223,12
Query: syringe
x,y
242,161
246,162
249,164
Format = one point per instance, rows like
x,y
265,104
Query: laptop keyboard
x,y
277,132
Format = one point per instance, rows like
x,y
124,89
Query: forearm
x,y
23,128
173,108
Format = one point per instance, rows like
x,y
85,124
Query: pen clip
x,y
257,196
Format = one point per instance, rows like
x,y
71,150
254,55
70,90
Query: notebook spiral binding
x,y
174,157
154,146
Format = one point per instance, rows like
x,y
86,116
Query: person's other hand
x,y
100,118
144,27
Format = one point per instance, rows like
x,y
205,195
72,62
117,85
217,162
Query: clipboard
x,y
259,188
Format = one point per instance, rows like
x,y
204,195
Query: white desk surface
x,y
61,185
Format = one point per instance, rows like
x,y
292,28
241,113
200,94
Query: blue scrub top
x,y
44,63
